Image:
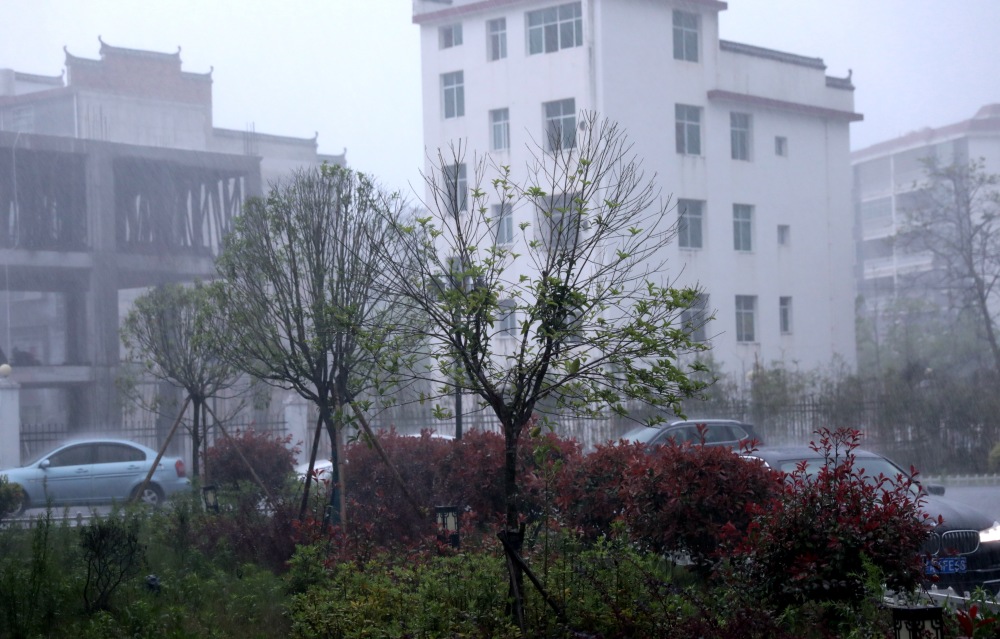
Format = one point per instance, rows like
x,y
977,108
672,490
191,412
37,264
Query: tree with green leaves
x,y
571,312
300,287
954,217
173,333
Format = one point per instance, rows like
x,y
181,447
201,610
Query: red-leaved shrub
x,y
687,499
812,543
272,457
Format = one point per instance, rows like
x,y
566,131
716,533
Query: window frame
x,y
503,216
456,186
450,35
695,320
496,39
508,319
687,37
740,135
743,215
551,214
548,29
781,146
746,319
500,127
685,228
785,314
453,94
555,125
687,129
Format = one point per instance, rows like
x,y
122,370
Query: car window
x,y
117,453
681,435
718,433
73,456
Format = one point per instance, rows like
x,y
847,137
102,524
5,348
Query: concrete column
x,y
10,419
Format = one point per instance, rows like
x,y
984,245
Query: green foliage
x,y
113,554
11,498
271,456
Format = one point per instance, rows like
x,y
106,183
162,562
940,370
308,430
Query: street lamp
x,y
447,521
211,497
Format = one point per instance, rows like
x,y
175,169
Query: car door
x,y
66,474
118,467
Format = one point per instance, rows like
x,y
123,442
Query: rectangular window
x,y
555,28
450,36
742,227
685,36
785,314
784,235
500,129
746,312
689,223
560,219
739,127
456,187
453,94
695,319
688,129
496,39
560,124
781,146
503,217
508,318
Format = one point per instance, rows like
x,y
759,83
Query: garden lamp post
x,y
447,521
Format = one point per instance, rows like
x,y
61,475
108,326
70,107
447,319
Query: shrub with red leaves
x,y
687,499
813,543
271,456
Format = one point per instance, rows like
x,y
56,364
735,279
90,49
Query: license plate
x,y
946,566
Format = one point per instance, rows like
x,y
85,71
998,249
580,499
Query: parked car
x,y
717,432
96,471
963,551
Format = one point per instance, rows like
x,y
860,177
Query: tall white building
x,y
752,143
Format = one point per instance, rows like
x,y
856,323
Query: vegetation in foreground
x,y
599,540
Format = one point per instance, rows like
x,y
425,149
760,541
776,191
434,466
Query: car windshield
x,y
872,467
642,434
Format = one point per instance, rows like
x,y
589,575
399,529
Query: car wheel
x,y
19,504
151,496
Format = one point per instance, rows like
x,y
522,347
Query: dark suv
x,y
717,432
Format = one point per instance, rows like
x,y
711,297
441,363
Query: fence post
x,y
10,419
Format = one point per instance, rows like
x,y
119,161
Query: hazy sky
x,y
350,69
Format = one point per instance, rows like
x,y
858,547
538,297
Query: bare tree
x,y
954,218
572,311
173,334
299,287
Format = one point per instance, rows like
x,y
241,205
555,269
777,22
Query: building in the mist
x,y
896,278
112,179
752,143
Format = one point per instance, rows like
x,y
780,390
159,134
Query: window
x,y
781,146
689,223
561,220
500,129
560,124
784,235
555,28
785,314
685,36
694,319
456,187
504,219
508,318
496,39
450,36
453,89
742,227
688,129
739,127
746,310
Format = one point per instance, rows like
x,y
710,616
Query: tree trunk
x,y
196,441
333,515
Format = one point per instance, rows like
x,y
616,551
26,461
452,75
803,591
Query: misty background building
x,y
752,143
112,179
898,283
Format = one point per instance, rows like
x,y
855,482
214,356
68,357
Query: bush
x,y
687,499
11,497
271,456
813,543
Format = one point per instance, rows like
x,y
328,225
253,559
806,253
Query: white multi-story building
x,y
753,145
888,179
